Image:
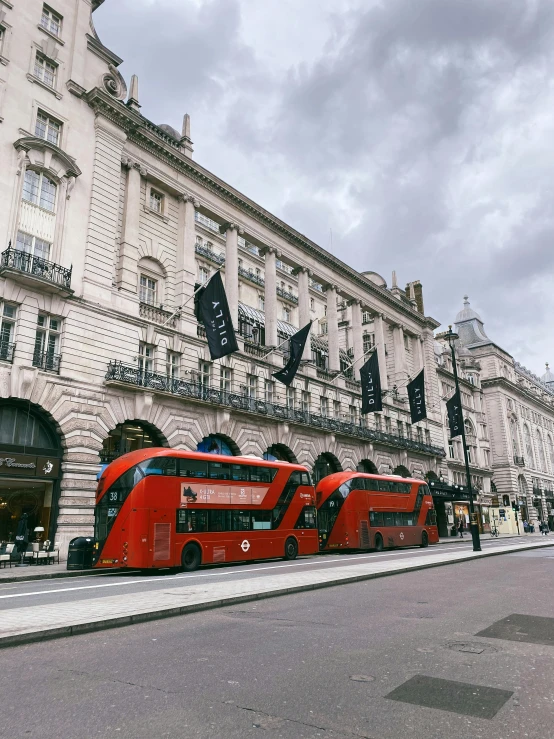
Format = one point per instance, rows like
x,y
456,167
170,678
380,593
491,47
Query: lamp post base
x,y
475,537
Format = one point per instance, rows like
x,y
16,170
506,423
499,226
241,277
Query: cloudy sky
x,y
415,135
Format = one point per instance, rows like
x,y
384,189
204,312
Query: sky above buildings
x,y
415,136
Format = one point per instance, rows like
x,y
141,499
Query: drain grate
x,y
471,647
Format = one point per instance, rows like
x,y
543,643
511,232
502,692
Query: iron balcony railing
x,y
287,296
133,375
201,331
520,461
6,351
47,361
157,315
252,276
206,252
36,266
256,350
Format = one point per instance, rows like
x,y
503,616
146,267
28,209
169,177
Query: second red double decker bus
x,y
362,511
159,507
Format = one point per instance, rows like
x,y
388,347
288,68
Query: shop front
x,y
451,504
30,469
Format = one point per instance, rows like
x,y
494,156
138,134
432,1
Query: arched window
x,y
128,437
38,189
550,446
151,282
216,444
402,471
325,465
528,446
279,453
513,431
542,455
470,431
367,466
21,426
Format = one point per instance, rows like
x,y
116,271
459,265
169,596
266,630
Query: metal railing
x,y
6,351
36,266
133,375
520,461
157,315
287,296
256,350
252,276
209,254
201,331
47,361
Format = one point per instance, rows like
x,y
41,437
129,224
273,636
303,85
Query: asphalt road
x,y
315,664
18,595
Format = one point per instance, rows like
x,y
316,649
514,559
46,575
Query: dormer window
x,y
51,21
39,190
48,128
45,70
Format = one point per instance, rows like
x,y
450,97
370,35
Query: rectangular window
x,y
451,450
369,342
336,408
400,428
146,357
48,128
156,202
261,302
406,343
47,343
352,414
173,365
286,313
251,386
8,314
204,373
225,379
387,425
269,386
306,401
33,245
45,70
323,406
203,275
148,290
51,21
39,190
291,397
261,520
193,468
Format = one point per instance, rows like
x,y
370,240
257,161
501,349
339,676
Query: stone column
x,y
333,329
304,307
186,255
270,297
379,329
357,337
232,231
400,366
127,277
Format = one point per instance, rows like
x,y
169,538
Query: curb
x,y
133,619
58,575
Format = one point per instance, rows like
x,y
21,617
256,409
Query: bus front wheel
x,y
190,558
424,540
379,543
291,549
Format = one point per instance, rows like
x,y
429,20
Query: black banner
x,y
455,417
416,396
297,344
215,315
371,385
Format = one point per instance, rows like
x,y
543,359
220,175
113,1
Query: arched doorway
x,y
431,476
402,471
30,469
128,437
279,453
325,465
218,444
366,465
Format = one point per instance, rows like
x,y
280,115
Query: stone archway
x,y
367,466
402,471
218,444
280,452
128,437
324,465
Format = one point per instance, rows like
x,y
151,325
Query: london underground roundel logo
x,y
402,535
245,546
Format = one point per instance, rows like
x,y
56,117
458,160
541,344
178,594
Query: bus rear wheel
x,y
424,540
291,549
378,543
190,558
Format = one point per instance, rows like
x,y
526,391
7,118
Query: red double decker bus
x,y
360,511
167,508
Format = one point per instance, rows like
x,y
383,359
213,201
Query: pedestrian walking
x,y
461,527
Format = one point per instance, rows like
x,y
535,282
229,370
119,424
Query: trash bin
x,y
453,531
79,555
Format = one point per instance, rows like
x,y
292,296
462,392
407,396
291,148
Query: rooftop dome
x,y
170,130
467,313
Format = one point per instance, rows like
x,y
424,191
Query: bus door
x,y
253,538
363,529
161,536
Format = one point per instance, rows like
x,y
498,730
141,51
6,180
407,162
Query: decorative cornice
x,y
27,143
151,138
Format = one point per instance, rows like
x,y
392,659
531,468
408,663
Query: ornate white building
x,y
517,415
108,224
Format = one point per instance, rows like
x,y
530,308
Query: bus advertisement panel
x,y
363,511
161,507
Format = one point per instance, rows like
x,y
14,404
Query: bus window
x,y
408,519
371,484
384,486
219,470
190,520
159,466
219,520
261,520
376,518
240,520
389,519
239,472
285,498
307,518
193,468
346,487
306,479
431,519
262,474
398,519
357,483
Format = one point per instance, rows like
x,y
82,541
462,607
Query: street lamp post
x,y
474,526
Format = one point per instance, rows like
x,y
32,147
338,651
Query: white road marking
x,y
221,573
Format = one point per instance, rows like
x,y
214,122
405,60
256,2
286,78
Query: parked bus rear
x,y
167,508
362,511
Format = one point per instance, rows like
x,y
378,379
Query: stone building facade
x,y
518,418
108,225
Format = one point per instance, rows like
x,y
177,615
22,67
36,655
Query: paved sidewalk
x,y
35,623
487,537
43,572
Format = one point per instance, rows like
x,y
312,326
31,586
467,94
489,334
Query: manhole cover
x,y
471,647
362,678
